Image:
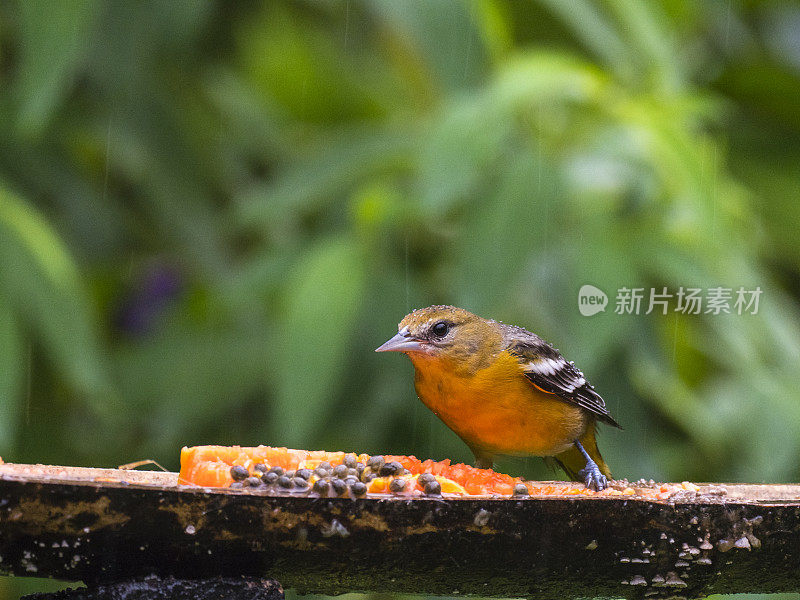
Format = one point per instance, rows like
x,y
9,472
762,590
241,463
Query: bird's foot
x,y
593,478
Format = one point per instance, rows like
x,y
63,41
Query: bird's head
x,y
440,333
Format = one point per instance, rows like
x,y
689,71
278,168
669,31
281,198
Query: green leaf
x,y
321,306
516,214
459,150
594,30
297,63
643,23
322,176
188,379
53,44
12,377
44,247
545,77
40,283
444,34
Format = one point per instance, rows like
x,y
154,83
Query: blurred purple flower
x,y
151,296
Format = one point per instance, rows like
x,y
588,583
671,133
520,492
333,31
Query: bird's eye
x,y
440,329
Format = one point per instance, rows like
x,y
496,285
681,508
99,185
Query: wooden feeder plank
x,y
105,525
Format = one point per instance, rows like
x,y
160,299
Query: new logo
x,y
591,300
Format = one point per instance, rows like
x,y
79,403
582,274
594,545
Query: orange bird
x,y
504,390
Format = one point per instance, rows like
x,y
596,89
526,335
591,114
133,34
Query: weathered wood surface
x,y
102,526
169,588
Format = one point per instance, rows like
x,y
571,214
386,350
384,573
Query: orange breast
x,y
497,409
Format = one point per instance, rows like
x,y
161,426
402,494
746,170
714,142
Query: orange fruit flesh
x,y
210,466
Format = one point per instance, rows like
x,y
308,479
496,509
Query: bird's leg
x,y
482,459
591,474
484,463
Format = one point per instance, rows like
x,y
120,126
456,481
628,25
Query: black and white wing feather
x,y
550,372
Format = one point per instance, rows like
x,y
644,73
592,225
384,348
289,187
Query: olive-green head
x,y
439,332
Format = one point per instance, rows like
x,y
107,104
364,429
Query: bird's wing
x,y
544,366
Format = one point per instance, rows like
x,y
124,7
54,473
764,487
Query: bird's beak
x,y
402,342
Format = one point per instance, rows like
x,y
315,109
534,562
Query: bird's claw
x,y
593,478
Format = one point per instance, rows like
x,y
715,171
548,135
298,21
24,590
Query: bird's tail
x,y
573,461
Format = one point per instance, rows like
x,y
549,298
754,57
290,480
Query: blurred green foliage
x,y
212,212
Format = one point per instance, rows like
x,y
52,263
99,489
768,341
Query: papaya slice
x,y
210,466
334,474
